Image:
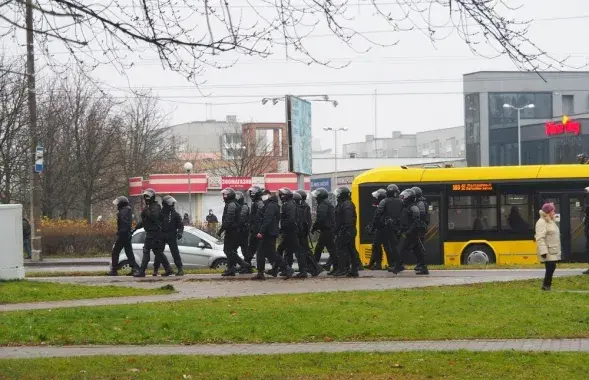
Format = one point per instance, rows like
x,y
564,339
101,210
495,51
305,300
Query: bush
x,y
77,237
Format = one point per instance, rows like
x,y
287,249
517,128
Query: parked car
x,y
197,248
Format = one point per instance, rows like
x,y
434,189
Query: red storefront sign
x,y
566,126
275,181
236,183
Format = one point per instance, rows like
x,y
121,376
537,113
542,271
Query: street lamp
x,y
335,130
188,167
519,135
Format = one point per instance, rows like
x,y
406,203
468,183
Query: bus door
x,y
432,242
569,217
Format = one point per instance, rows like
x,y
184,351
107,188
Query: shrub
x,y
77,237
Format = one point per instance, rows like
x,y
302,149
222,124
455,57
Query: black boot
x,y
229,272
422,270
169,271
353,274
112,272
140,273
289,272
246,270
259,277
155,270
180,271
586,272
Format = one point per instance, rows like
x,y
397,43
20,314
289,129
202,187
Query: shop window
x,y
474,213
568,104
516,212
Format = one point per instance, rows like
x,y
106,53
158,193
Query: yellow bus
x,y
484,214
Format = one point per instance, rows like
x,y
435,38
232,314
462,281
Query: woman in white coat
x,y
548,242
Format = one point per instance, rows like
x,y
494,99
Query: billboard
x,y
321,182
298,121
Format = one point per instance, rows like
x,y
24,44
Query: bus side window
x,y
516,212
474,212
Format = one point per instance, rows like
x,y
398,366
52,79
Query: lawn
x,y
492,310
35,291
406,365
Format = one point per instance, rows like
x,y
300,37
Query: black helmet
x,y
407,195
239,197
343,193
379,194
303,194
298,198
120,201
392,190
169,200
285,194
417,191
255,192
320,193
149,195
228,194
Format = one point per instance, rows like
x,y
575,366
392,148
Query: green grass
x,y
492,310
35,291
406,365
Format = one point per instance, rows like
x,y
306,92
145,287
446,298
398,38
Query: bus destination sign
x,y
472,187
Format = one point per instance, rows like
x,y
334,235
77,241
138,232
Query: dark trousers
x,y
326,240
391,246
26,240
244,246
550,268
172,242
230,245
154,242
252,248
376,257
290,244
267,250
347,255
123,243
312,264
413,244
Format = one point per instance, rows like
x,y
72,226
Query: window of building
x,y
568,104
503,154
516,212
535,152
473,212
500,117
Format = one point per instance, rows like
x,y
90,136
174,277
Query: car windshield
x,y
208,236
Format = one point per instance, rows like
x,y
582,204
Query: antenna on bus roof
x,y
431,166
403,167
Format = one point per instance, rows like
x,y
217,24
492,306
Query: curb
x,y
65,263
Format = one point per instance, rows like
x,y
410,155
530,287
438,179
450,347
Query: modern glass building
x,y
554,131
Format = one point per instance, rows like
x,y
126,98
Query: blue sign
x,y
39,159
300,135
321,182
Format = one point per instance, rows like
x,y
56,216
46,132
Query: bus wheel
x,y
478,255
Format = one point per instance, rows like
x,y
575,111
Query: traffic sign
x,y
39,159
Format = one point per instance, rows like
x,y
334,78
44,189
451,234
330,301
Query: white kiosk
x,y
11,255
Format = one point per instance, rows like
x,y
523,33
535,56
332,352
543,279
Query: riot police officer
x,y
124,235
230,225
255,218
422,205
290,230
410,225
243,229
267,233
345,227
375,227
173,229
151,221
325,224
388,213
304,221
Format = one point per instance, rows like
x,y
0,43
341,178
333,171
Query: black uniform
x,y
411,225
304,221
376,256
388,214
173,228
244,233
255,220
154,237
124,235
230,225
268,231
290,235
345,226
424,223
325,223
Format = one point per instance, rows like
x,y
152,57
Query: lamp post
x,y
188,168
335,130
519,134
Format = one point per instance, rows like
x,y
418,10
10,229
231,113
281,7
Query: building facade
x,y
554,131
445,142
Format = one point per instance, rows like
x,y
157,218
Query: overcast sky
x,y
432,74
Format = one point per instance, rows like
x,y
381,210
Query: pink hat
x,y
548,208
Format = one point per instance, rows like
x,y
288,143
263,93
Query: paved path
x,y
213,286
538,345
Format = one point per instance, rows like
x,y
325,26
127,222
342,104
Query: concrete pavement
x,y
525,345
214,286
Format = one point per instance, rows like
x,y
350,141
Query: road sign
x,y
39,159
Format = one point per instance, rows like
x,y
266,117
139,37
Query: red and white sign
x,y
178,183
215,183
135,186
567,126
236,183
274,181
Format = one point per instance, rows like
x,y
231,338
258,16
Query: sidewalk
x,y
537,345
73,261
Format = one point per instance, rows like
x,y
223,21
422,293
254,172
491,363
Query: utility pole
x,y
35,199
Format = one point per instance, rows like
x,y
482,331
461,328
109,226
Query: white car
x,y
197,248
